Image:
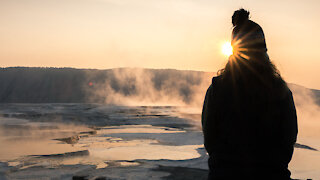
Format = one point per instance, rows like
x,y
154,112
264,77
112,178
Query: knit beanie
x,y
247,36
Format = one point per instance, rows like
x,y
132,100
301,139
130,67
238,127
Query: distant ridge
x,y
114,86
69,85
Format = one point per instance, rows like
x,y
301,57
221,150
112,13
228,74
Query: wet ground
x,y
61,141
92,141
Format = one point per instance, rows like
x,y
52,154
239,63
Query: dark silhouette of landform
x,y
69,85
302,146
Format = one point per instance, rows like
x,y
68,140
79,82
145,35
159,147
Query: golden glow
x,y
103,34
227,49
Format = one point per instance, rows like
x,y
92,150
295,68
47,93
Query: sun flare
x,y
227,49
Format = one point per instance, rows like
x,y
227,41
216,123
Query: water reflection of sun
x,y
227,49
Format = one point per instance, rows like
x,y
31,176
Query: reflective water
x,y
58,140
44,135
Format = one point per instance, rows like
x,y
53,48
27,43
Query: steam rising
x,y
124,86
308,110
131,86
151,87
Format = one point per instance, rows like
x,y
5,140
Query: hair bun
x,y
240,16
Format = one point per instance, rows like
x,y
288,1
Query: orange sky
x,y
179,34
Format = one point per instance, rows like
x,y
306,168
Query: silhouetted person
x,y
249,119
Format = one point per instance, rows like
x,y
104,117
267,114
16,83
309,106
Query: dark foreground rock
x,y
183,173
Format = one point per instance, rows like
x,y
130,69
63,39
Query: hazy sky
x,y
179,34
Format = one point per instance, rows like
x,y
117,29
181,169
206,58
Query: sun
x,y
227,49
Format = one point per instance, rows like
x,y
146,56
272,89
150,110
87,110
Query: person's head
x,y
247,36
250,59
240,16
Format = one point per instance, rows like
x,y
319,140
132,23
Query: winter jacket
x,y
251,137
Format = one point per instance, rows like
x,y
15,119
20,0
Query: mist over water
x,y
308,110
305,163
132,87
151,87
123,86
187,88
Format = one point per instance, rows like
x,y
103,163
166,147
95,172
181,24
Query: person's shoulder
x,y
216,79
282,88
254,25
214,84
